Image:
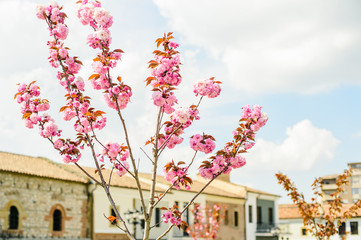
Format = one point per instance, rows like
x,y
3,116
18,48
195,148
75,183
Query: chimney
x,y
224,177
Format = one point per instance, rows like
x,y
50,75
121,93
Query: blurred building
x,y
292,228
352,191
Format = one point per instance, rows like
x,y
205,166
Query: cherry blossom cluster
x,y
207,87
222,164
91,13
203,143
165,74
177,175
243,139
254,116
118,155
117,95
31,105
68,149
172,218
180,119
77,105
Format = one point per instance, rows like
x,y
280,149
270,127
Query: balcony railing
x,y
265,227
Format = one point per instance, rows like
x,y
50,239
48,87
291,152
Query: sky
x,y
299,60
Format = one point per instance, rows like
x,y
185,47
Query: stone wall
x,y
36,199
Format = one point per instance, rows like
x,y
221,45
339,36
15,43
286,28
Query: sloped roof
x,y
126,181
290,211
248,189
42,167
217,187
330,176
36,166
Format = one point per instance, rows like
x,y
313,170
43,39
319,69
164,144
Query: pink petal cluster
x,y
164,99
181,119
207,87
91,13
176,177
51,11
172,218
202,143
181,115
167,70
165,74
117,95
254,115
68,149
206,222
117,155
30,106
77,105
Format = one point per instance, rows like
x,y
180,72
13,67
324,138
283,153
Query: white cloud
x,y
304,146
275,46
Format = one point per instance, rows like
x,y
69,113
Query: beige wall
x,y
229,231
36,198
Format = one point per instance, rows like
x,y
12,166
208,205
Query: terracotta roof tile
x,y
287,211
36,166
290,211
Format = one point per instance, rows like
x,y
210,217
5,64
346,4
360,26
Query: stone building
x,y
39,199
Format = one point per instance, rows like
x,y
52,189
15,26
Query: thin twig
x,y
162,147
146,154
157,224
114,224
110,176
87,174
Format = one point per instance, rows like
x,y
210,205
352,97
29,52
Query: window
x,y
259,215
157,217
304,231
112,213
13,218
236,219
57,220
250,213
226,217
354,228
270,215
355,180
186,218
342,229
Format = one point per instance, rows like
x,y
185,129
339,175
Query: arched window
x,y
57,220
13,218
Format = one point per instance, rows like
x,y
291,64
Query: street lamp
x,y
135,217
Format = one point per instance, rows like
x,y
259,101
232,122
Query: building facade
x,y
292,228
352,191
40,199
261,215
43,199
